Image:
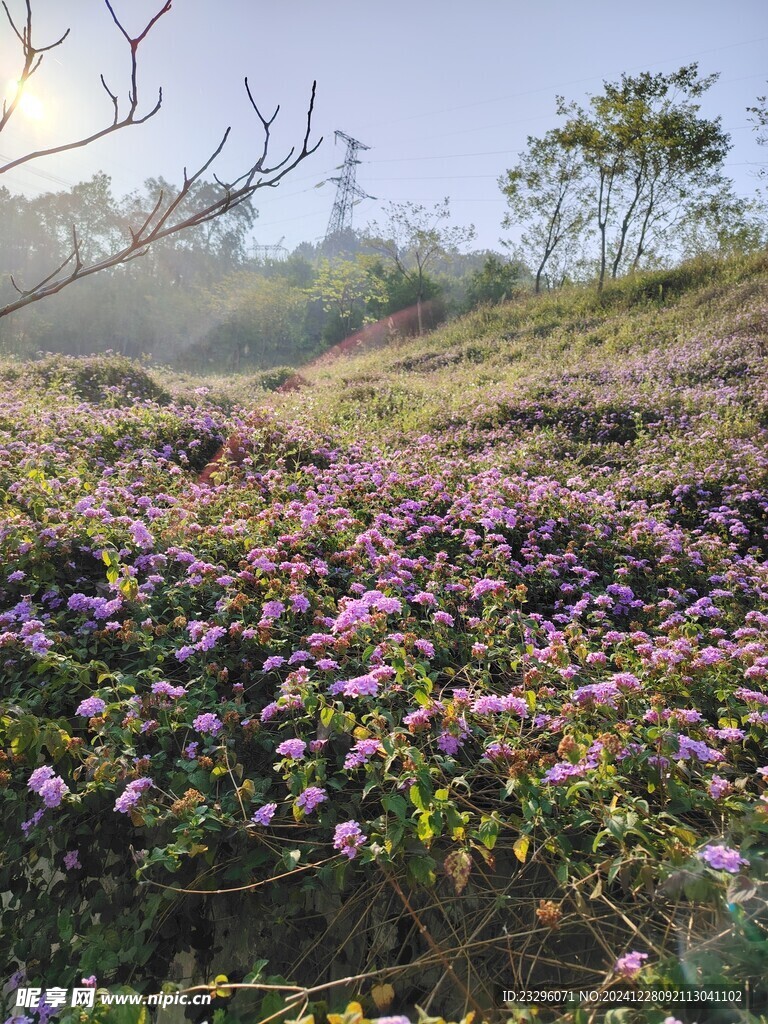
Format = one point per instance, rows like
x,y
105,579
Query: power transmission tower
x,y
348,192
270,252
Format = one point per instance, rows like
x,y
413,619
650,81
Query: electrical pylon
x,y
348,192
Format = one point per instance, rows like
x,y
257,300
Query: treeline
x,y
203,299
634,180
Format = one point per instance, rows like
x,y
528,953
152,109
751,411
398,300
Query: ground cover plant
x,y
455,685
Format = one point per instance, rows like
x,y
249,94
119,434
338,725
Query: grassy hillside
x,y
455,685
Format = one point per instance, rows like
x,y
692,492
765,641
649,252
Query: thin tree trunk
x,y
602,223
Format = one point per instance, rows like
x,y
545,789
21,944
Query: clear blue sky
x,y
443,91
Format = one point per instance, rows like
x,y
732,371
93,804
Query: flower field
x,y
456,686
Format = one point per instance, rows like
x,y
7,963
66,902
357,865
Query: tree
x,y
496,281
254,319
724,224
759,118
175,209
347,289
648,153
545,192
413,239
213,247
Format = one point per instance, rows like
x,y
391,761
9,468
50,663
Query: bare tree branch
x,y
166,218
32,58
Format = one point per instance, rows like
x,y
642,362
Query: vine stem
x,y
433,945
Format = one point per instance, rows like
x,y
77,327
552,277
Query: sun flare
x,y
29,105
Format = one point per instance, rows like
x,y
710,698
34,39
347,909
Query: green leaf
x,y
420,795
488,832
520,848
326,716
395,804
256,971
421,870
424,828
65,927
291,858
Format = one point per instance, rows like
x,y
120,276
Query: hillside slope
x,y
457,682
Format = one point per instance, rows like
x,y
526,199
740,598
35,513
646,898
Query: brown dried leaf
x,y
457,866
382,995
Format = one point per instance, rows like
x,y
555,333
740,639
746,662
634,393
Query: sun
x,y
31,106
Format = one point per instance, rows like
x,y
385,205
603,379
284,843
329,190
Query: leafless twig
x,y
165,218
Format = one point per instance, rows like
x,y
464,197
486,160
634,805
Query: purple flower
x,y
272,609
292,748
360,686
53,791
132,794
141,536
517,705
498,751
630,965
275,661
72,860
627,681
719,787
420,718
730,734
39,776
212,635
165,688
563,771
449,744
208,723
27,826
264,815
488,705
597,693
90,706
689,748
751,695
722,858
310,798
348,838
487,586
361,753
298,657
